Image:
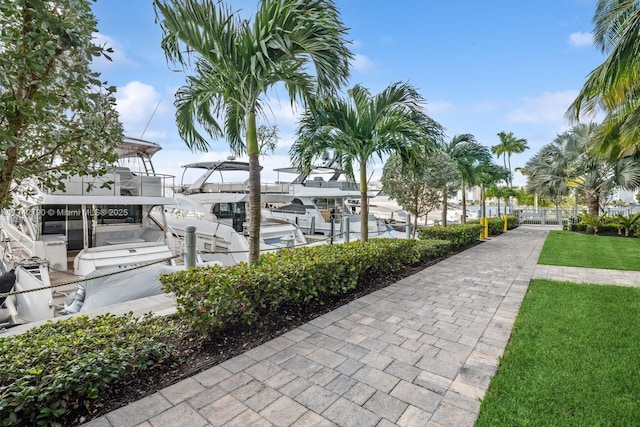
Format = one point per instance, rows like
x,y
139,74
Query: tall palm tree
x,y
567,164
613,86
509,145
236,61
362,126
467,154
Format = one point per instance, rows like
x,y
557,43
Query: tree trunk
x,y
463,220
593,203
498,207
510,177
364,203
6,174
254,188
415,226
444,207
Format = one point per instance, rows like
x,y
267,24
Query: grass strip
x,y
573,249
572,359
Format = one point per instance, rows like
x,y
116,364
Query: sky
x,y
482,66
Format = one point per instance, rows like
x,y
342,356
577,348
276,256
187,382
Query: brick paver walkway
x,y
419,352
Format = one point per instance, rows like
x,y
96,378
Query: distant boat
x,y
320,205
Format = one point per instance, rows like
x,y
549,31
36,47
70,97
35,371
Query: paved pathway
x,y
587,275
420,352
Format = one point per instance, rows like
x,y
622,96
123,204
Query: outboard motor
x,y
77,302
7,281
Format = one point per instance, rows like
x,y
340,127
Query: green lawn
x,y
583,250
573,359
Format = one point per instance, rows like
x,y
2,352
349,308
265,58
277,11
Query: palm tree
x,y
500,193
488,174
467,154
509,145
236,61
626,223
362,126
593,221
567,164
613,86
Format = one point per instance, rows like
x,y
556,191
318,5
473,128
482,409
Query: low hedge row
x,y
460,235
210,298
51,369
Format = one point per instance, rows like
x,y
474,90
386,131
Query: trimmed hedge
x,y
67,364
460,235
213,297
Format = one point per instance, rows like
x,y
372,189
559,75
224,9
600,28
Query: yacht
x,y
227,201
54,242
319,201
222,240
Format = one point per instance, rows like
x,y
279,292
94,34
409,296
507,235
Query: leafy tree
x,y
268,137
236,61
58,118
362,126
509,145
613,86
467,154
418,190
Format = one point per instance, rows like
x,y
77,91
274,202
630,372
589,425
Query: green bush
x,y
67,364
460,235
214,297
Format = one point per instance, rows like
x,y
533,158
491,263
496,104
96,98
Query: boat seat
x,y
124,240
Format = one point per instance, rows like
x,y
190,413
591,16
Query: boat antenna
x,y
150,118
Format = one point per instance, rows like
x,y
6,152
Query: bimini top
x,y
134,147
210,168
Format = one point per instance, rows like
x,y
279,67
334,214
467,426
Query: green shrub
x,y
460,235
214,297
67,364
512,222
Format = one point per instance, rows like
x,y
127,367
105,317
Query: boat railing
x,y
341,185
235,187
120,182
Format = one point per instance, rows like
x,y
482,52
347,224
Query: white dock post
x,y
346,229
190,246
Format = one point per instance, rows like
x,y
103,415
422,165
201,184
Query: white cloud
x,y
138,104
362,63
549,108
580,39
439,107
281,112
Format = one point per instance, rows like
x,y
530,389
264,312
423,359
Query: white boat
x,y
227,201
388,209
97,225
319,206
216,238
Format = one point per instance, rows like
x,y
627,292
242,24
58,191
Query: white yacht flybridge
x,y
319,204
227,200
96,225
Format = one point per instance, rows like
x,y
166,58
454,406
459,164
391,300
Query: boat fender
x,y
7,281
77,302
